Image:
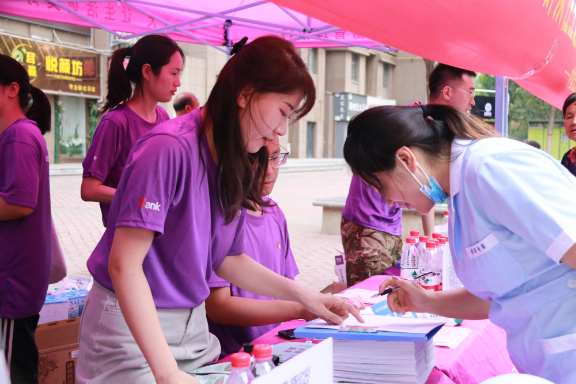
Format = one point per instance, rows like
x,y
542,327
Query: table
x,y
480,356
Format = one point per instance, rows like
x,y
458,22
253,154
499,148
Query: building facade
x,y
69,64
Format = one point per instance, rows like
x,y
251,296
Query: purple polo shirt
x,y
165,188
266,241
117,132
366,207
25,243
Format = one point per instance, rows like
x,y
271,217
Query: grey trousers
x,y
109,354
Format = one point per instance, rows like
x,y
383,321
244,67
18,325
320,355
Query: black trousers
x,y
20,350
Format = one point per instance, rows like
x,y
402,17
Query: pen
x,y
414,281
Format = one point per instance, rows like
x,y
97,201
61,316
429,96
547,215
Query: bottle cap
x,y
430,245
436,235
410,240
447,239
442,241
435,241
248,347
414,233
240,360
263,351
446,213
423,239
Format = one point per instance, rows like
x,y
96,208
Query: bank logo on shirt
x,y
278,245
148,205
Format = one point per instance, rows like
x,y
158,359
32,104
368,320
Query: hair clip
x,y
238,46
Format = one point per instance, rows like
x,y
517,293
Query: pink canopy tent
x,y
532,42
217,23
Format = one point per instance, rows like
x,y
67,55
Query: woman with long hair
x,y
25,218
178,215
512,225
153,71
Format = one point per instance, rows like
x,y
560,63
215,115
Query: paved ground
x,y
79,224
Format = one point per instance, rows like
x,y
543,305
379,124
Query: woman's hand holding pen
x,y
409,298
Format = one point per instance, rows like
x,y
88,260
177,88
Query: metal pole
x,y
56,131
502,101
227,41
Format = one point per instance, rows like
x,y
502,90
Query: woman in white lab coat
x,y
512,225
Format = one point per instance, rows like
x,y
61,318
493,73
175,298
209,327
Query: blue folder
x,y
317,333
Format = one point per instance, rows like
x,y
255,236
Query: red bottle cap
x,y
263,351
410,240
423,239
240,360
436,235
430,245
446,213
442,241
414,233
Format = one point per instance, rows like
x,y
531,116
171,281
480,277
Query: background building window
x,y
385,75
355,66
312,60
310,136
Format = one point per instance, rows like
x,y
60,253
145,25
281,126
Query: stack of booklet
x,y
383,349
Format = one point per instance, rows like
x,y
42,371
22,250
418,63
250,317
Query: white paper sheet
x,y
385,323
451,337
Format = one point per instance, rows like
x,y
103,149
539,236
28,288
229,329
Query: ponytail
x,y
40,111
375,135
154,50
119,87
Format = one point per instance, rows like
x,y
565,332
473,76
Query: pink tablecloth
x,y
480,356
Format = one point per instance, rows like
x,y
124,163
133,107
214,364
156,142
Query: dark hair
x,y
182,102
40,111
376,134
155,50
568,102
533,143
268,64
442,75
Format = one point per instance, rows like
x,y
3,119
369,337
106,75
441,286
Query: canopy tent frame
x,y
305,32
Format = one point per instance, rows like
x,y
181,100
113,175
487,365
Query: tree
x,y
524,106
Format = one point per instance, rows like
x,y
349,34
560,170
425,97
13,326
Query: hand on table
x,y
179,377
410,298
332,309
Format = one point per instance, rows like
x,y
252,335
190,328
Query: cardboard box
x,y
58,349
67,305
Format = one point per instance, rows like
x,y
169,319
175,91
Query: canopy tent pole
x,y
502,101
227,41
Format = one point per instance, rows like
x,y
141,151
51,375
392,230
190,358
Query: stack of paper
x,y
370,361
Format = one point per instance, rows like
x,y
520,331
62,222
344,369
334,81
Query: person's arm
x,y
223,308
569,257
93,189
246,273
455,303
13,211
129,249
428,223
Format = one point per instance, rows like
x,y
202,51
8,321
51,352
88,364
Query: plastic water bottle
x,y
240,373
409,260
444,226
432,281
415,235
421,250
263,359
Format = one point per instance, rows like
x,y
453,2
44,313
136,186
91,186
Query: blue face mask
x,y
434,192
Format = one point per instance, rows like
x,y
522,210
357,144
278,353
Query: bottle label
x,y
432,282
408,273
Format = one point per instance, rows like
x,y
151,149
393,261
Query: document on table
x,y
384,323
451,337
365,294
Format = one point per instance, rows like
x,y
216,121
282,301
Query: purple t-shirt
x,y
366,207
117,132
266,241
165,188
25,243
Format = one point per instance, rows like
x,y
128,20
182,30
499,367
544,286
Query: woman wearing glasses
x,y
236,316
